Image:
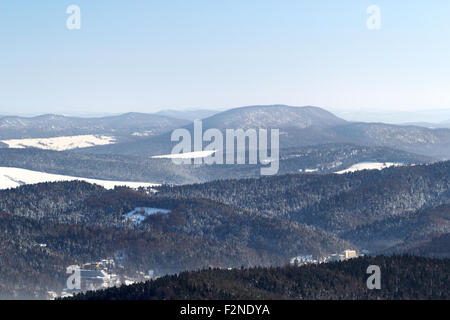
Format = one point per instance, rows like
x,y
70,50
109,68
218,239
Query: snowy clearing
x,y
308,170
138,215
187,155
369,166
15,177
61,143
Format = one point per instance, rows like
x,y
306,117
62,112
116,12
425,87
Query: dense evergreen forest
x,y
402,277
323,158
79,222
221,224
373,209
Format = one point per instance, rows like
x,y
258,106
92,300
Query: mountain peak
x,y
274,116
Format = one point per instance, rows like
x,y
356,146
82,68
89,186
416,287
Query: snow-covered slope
x,y
15,177
369,166
186,155
60,143
138,215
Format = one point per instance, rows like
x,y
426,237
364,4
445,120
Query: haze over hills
x,y
309,123
432,142
149,134
273,116
311,140
431,125
393,116
190,115
319,159
237,150
50,125
302,126
219,215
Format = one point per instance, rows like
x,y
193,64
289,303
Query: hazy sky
x,y
149,55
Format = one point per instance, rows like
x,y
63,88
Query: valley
x,y
63,202
202,151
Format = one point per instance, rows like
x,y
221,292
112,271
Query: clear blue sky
x,y
149,55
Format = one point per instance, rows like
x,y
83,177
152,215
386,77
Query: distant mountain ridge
x,y
149,134
51,125
273,116
190,115
302,126
320,158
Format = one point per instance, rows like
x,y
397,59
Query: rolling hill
x,y
320,158
425,279
376,210
226,223
50,125
299,127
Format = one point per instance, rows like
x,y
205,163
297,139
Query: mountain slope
x,y
79,222
322,158
226,223
273,116
78,202
374,209
410,232
432,142
425,279
50,125
310,123
302,126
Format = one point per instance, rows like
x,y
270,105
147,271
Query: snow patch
x,y
138,215
308,170
61,143
15,177
187,155
369,166
142,134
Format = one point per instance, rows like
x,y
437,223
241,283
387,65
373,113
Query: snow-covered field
x,y
15,177
61,143
308,170
138,215
369,166
187,155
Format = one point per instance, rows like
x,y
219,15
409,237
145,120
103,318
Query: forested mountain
x,y
273,116
35,254
321,158
412,232
80,222
13,127
424,279
312,124
341,204
299,127
225,223
149,134
83,203
433,142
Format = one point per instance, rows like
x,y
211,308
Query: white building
x,y
349,254
345,255
302,259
